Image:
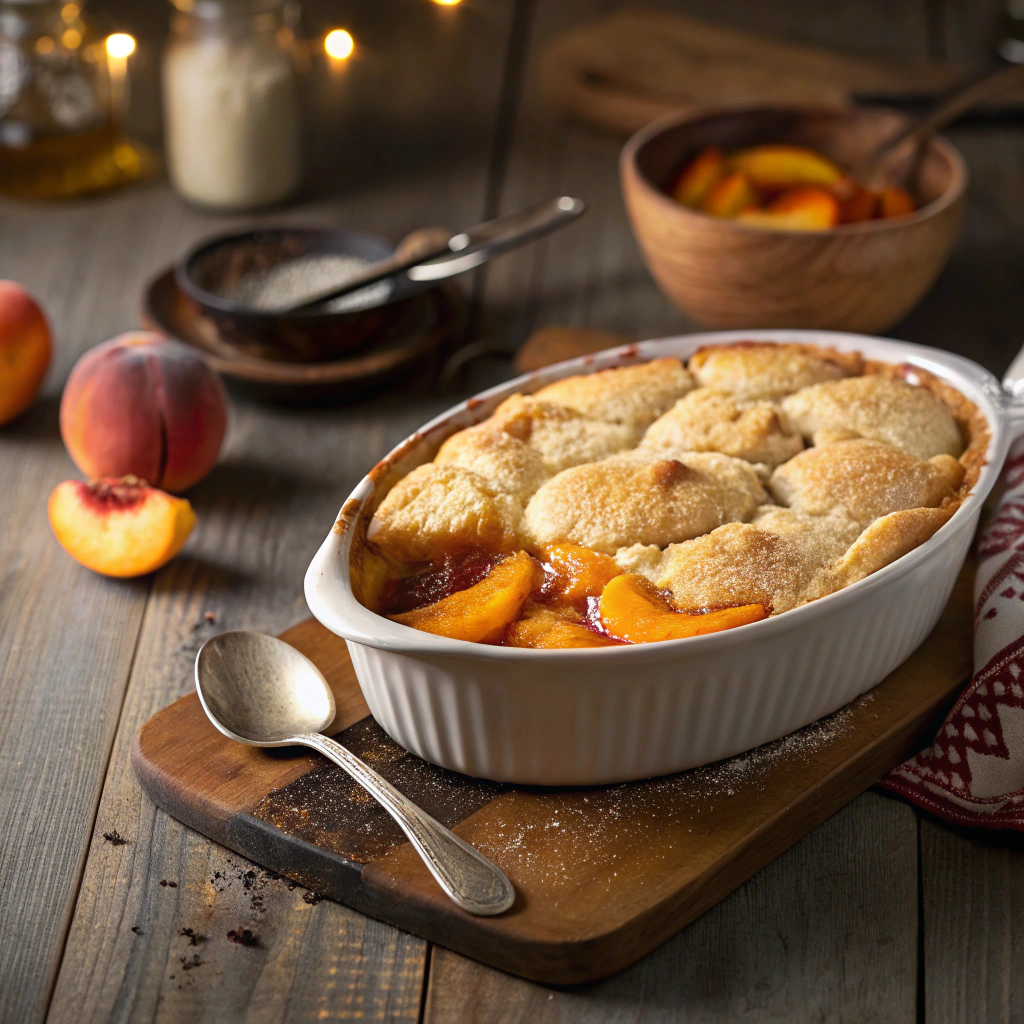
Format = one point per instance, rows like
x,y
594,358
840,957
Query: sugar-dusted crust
x,y
879,408
885,540
562,437
754,370
508,464
969,418
440,510
648,497
775,563
711,420
636,395
867,478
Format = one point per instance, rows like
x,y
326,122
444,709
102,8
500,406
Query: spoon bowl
x,y
259,690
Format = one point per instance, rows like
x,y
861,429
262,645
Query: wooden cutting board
x,y
602,875
624,70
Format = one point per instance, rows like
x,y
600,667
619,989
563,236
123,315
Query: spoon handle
x,y
874,174
465,874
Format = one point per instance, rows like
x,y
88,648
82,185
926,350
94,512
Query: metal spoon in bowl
x,y
427,256
259,690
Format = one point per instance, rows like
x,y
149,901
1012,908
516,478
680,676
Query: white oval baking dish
x,y
585,717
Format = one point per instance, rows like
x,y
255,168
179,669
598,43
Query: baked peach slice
x,y
780,166
579,573
797,209
698,176
631,608
546,629
482,612
729,195
119,527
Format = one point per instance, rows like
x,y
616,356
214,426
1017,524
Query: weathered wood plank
x,y
261,515
68,636
820,934
973,888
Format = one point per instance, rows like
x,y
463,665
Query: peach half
x,y
482,612
25,349
631,608
145,406
119,527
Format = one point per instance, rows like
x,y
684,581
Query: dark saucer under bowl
x,y
434,330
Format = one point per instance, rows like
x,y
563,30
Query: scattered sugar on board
x,y
554,838
609,830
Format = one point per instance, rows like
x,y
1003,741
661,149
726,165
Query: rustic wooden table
x,y
880,914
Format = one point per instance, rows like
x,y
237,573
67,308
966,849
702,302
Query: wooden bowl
x,y
856,277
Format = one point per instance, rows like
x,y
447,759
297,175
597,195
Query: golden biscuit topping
x,y
632,505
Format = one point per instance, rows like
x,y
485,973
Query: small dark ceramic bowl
x,y
209,273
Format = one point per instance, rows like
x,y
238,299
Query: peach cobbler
x,y
660,500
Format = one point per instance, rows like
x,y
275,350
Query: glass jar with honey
x,y
61,101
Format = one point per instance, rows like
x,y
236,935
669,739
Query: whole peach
x,y
144,406
24,349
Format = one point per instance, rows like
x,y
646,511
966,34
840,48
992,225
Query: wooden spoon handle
x,y
875,174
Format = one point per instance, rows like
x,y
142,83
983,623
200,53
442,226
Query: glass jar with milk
x,y
231,105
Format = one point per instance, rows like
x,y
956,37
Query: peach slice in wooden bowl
x,y
734,272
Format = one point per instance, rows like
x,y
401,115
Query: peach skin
x,y
896,202
25,349
482,612
143,405
119,527
860,206
631,608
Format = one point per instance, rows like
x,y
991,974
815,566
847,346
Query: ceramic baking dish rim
x,y
341,612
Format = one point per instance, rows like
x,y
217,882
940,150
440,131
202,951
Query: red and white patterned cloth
x,y
973,773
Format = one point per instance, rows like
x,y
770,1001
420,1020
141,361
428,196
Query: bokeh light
x,y
71,39
447,3
120,44
339,44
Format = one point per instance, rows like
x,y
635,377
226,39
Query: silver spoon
x,y
259,690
